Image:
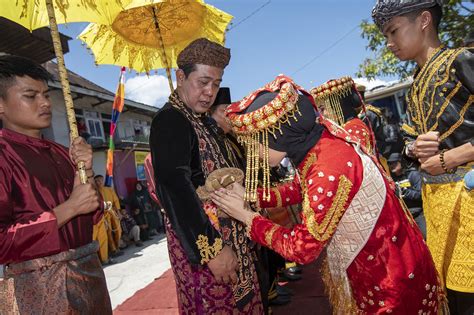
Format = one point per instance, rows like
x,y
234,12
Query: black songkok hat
x,y
223,97
385,10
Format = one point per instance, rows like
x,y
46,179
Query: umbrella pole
x,y
168,69
71,116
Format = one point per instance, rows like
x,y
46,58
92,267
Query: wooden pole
x,y
165,60
71,116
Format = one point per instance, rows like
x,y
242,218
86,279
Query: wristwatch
x,y
409,148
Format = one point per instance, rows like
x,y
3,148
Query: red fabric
x,y
150,179
36,176
289,194
358,129
159,297
393,267
298,244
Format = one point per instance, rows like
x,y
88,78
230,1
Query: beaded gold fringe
x,y
334,288
251,143
332,103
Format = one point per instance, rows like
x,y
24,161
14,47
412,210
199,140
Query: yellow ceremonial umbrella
x,y
147,37
34,14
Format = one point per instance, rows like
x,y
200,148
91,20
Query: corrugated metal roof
x,y
37,45
83,86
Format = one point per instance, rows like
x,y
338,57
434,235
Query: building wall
x,y
59,131
124,161
100,162
59,127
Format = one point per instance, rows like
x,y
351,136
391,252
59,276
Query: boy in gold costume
x,y
440,106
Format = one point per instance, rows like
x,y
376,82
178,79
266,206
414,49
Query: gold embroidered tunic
x,y
441,99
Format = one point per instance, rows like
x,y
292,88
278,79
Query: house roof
x,y
381,92
36,45
82,86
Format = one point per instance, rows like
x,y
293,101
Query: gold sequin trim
x,y
269,235
207,251
323,231
278,197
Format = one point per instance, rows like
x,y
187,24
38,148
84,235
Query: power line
x,y
326,50
249,16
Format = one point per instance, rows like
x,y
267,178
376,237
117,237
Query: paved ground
x,y
136,269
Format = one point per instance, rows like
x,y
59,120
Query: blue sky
x,y
282,37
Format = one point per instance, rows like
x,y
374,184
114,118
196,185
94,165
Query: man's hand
x,y
224,265
84,198
81,151
426,145
432,165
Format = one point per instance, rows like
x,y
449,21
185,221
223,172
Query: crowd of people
x,y
119,227
352,190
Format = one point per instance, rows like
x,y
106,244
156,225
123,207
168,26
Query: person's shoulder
x,y
4,161
57,145
464,57
372,109
170,116
333,153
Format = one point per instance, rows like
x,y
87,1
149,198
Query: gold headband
x,y
330,94
253,128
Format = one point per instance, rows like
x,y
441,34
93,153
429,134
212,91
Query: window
x,y
141,127
94,125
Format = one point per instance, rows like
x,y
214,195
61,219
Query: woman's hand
x,y
232,203
238,189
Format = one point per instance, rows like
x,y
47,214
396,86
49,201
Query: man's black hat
x,y
394,157
223,97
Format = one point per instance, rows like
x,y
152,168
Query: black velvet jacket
x,y
374,117
442,95
178,172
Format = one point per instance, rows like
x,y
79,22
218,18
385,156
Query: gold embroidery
x,y
269,235
445,104
420,109
278,197
409,130
461,119
374,109
208,252
323,231
439,83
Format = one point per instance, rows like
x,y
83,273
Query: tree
x,y
458,19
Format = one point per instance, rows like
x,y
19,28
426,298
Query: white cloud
x,y
152,90
370,84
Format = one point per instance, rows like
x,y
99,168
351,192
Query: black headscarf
x,y
298,136
349,105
